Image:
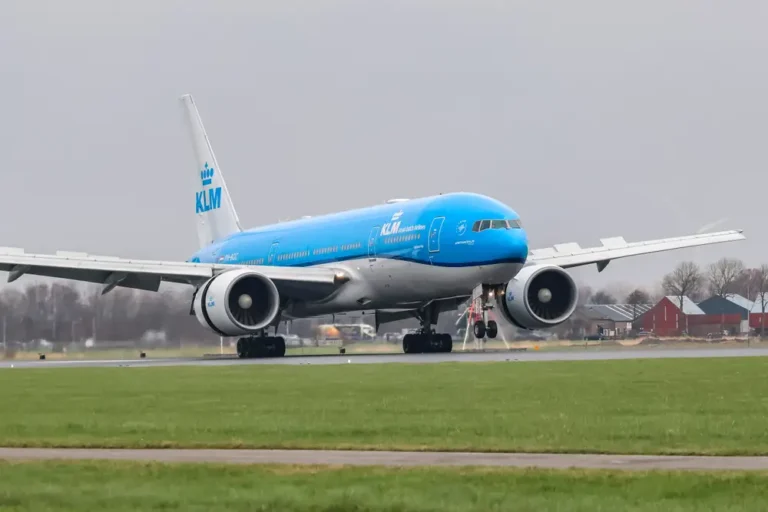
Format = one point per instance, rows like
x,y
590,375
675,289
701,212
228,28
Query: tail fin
x,y
216,216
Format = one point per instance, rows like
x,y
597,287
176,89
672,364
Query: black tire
x,y
279,346
446,343
479,329
408,345
242,347
493,329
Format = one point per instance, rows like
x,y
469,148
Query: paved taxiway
x,y
565,355
382,458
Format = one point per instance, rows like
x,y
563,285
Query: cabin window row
x,y
401,238
293,255
482,225
257,261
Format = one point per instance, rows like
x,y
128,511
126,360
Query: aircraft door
x,y
272,253
372,238
434,234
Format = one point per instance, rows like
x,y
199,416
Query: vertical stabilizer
x,y
216,216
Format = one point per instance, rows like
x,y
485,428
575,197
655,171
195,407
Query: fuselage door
x,y
372,243
434,234
272,253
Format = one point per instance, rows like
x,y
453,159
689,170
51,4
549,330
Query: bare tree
x,y
685,280
760,286
723,276
602,297
636,298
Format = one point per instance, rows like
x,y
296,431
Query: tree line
x,y
60,312
726,276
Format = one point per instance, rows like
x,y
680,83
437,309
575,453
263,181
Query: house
x,y
666,317
611,319
729,313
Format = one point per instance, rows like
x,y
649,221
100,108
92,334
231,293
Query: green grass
x,y
707,406
118,486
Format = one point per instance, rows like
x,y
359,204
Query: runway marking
x,y
385,458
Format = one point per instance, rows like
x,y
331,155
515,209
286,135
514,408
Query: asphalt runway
x,y
589,354
376,458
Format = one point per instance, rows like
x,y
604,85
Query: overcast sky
x,y
591,119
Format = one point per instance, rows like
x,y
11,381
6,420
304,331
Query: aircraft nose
x,y
520,244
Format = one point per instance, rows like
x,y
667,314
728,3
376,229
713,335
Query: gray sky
x,y
591,119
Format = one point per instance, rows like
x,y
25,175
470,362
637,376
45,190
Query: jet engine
x,y
539,296
237,302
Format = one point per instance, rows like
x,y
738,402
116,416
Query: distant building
x,y
729,313
611,319
757,319
666,317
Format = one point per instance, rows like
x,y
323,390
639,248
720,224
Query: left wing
x,y
293,282
572,255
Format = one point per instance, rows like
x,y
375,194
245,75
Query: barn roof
x,y
689,307
740,301
616,312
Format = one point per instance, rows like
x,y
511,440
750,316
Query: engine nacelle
x,y
237,302
539,296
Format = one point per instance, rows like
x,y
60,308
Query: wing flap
x,y
572,255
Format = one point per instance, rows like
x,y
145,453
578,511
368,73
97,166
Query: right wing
x,y
294,282
572,255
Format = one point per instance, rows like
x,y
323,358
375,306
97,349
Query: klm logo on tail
x,y
207,199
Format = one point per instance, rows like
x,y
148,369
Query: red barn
x,y
666,319
757,319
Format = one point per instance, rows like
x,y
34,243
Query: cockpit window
x,y
482,225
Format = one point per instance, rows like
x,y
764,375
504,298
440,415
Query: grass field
x,y
707,406
36,486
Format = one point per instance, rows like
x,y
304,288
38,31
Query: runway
x,y
590,354
382,458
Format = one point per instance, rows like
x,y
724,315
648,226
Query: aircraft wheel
x,y
446,343
242,347
409,344
479,329
279,346
492,330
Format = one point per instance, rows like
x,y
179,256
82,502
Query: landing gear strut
x,y
260,346
427,340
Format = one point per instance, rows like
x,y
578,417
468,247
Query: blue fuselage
x,y
448,231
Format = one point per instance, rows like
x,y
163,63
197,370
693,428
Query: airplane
x,y
404,258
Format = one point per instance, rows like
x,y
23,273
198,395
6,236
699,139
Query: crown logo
x,y
206,174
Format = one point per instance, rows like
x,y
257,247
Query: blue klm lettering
x,y
207,202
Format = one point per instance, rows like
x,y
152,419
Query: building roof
x,y
616,312
740,301
689,307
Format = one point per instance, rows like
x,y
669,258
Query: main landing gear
x,y
431,342
427,340
260,346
